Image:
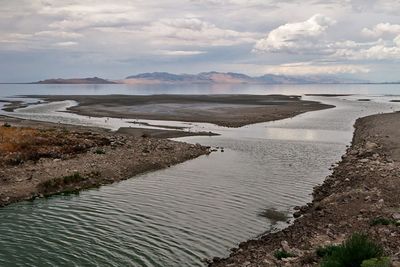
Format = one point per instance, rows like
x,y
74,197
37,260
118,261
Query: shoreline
x,y
101,157
363,189
222,110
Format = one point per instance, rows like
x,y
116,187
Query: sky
x,y
42,39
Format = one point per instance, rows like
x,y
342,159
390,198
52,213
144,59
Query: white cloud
x,y
58,34
66,44
296,37
379,50
382,29
374,6
193,31
180,53
304,68
397,40
310,68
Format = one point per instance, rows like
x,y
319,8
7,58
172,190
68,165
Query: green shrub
x,y
281,254
381,221
99,151
376,262
353,252
326,251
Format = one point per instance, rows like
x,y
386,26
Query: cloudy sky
x,y
77,38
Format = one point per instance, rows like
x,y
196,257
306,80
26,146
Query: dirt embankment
x,y
361,195
42,159
223,110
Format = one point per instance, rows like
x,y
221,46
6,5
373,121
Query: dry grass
x,y
18,145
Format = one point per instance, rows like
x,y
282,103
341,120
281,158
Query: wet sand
x,y
363,188
223,110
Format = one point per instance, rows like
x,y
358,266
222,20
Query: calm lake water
x,y
194,210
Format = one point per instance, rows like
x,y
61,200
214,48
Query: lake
x,y
195,210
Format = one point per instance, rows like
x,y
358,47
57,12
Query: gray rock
x,y
371,145
396,216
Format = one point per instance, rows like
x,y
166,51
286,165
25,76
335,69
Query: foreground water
x,y
198,209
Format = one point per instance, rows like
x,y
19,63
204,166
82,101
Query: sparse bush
x,y
382,221
99,151
326,251
281,254
59,182
376,262
76,177
18,144
353,252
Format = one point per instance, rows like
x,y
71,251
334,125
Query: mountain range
x,y
94,80
207,78
231,77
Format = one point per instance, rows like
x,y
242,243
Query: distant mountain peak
x,y
94,80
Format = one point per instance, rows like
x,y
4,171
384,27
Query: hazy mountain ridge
x,y
94,80
231,77
212,77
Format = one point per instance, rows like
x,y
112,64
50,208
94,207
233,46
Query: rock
x,y
364,160
396,216
363,211
285,246
370,145
297,214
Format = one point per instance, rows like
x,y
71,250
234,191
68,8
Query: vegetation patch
x,y
353,252
281,254
383,221
326,251
61,182
18,144
376,262
99,151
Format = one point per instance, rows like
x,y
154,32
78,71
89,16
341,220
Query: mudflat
x,y
362,195
223,110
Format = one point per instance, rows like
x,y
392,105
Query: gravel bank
x,y
120,157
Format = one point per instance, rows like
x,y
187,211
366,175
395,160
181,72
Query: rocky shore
x,y
41,159
361,195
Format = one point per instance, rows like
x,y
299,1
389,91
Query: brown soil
x,y
223,110
364,186
41,159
